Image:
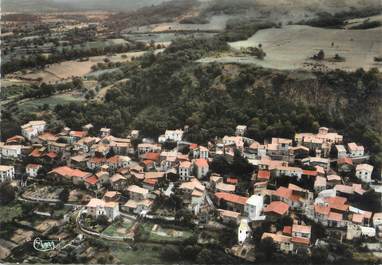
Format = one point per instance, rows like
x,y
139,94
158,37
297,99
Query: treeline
x,y
337,20
39,60
165,12
242,29
42,90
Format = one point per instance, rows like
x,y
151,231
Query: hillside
x,y
169,91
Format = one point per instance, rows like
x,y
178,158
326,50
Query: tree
x,y
220,165
77,83
319,255
64,195
8,214
183,216
241,166
102,220
205,256
318,231
267,247
170,253
7,193
190,252
371,201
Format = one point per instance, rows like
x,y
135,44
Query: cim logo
x,y
44,245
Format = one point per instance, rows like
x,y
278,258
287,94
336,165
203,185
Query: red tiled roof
x,y
51,154
148,162
335,217
337,203
286,193
231,197
264,174
201,162
16,138
92,180
321,209
345,160
78,134
312,173
193,146
97,160
336,199
232,180
306,229
277,207
150,181
357,218
70,172
36,153
287,230
151,156
301,240
113,159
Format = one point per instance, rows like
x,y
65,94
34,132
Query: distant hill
x,y
60,5
30,6
114,5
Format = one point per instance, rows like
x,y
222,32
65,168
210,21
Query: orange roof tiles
x,y
357,218
312,173
113,159
193,146
16,138
51,154
150,181
201,162
321,209
337,203
287,230
78,134
231,197
151,156
232,180
92,180
345,160
337,217
301,240
306,229
264,174
36,153
148,162
70,172
277,207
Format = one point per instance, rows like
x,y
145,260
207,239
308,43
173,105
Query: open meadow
x,y
291,47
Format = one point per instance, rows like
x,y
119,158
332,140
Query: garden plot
x,y
119,229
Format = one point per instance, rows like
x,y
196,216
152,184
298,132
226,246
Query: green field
x,y
163,233
116,229
99,44
142,254
35,105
